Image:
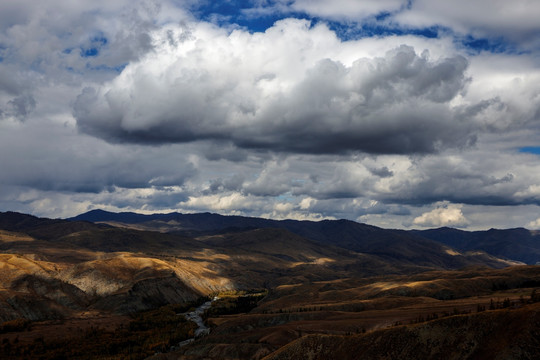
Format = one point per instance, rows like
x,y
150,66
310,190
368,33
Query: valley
x,y
286,288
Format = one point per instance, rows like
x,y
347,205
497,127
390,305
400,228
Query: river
x,y
196,317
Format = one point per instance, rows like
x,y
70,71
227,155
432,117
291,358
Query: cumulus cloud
x,y
290,122
300,97
444,215
105,33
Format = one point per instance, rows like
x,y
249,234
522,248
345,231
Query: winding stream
x,y
196,317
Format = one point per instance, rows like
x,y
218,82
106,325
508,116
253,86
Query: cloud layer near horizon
x,y
330,112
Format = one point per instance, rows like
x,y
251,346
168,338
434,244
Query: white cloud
x,y
532,191
535,225
514,20
303,96
232,203
346,9
272,123
444,215
307,203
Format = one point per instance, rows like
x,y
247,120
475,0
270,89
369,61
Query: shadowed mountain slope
x,y
393,245
516,244
43,228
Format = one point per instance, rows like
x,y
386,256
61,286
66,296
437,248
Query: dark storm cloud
x,y
396,104
382,172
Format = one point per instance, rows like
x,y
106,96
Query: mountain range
x,y
518,244
326,277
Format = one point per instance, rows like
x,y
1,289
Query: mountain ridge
x,y
520,245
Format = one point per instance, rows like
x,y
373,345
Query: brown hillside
x,y
69,271
351,306
500,334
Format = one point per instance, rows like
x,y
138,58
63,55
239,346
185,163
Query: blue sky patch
x,y
237,12
494,45
530,150
95,46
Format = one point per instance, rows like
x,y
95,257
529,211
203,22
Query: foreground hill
x,y
500,334
346,308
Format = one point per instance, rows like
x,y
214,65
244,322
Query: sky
x,y
396,113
